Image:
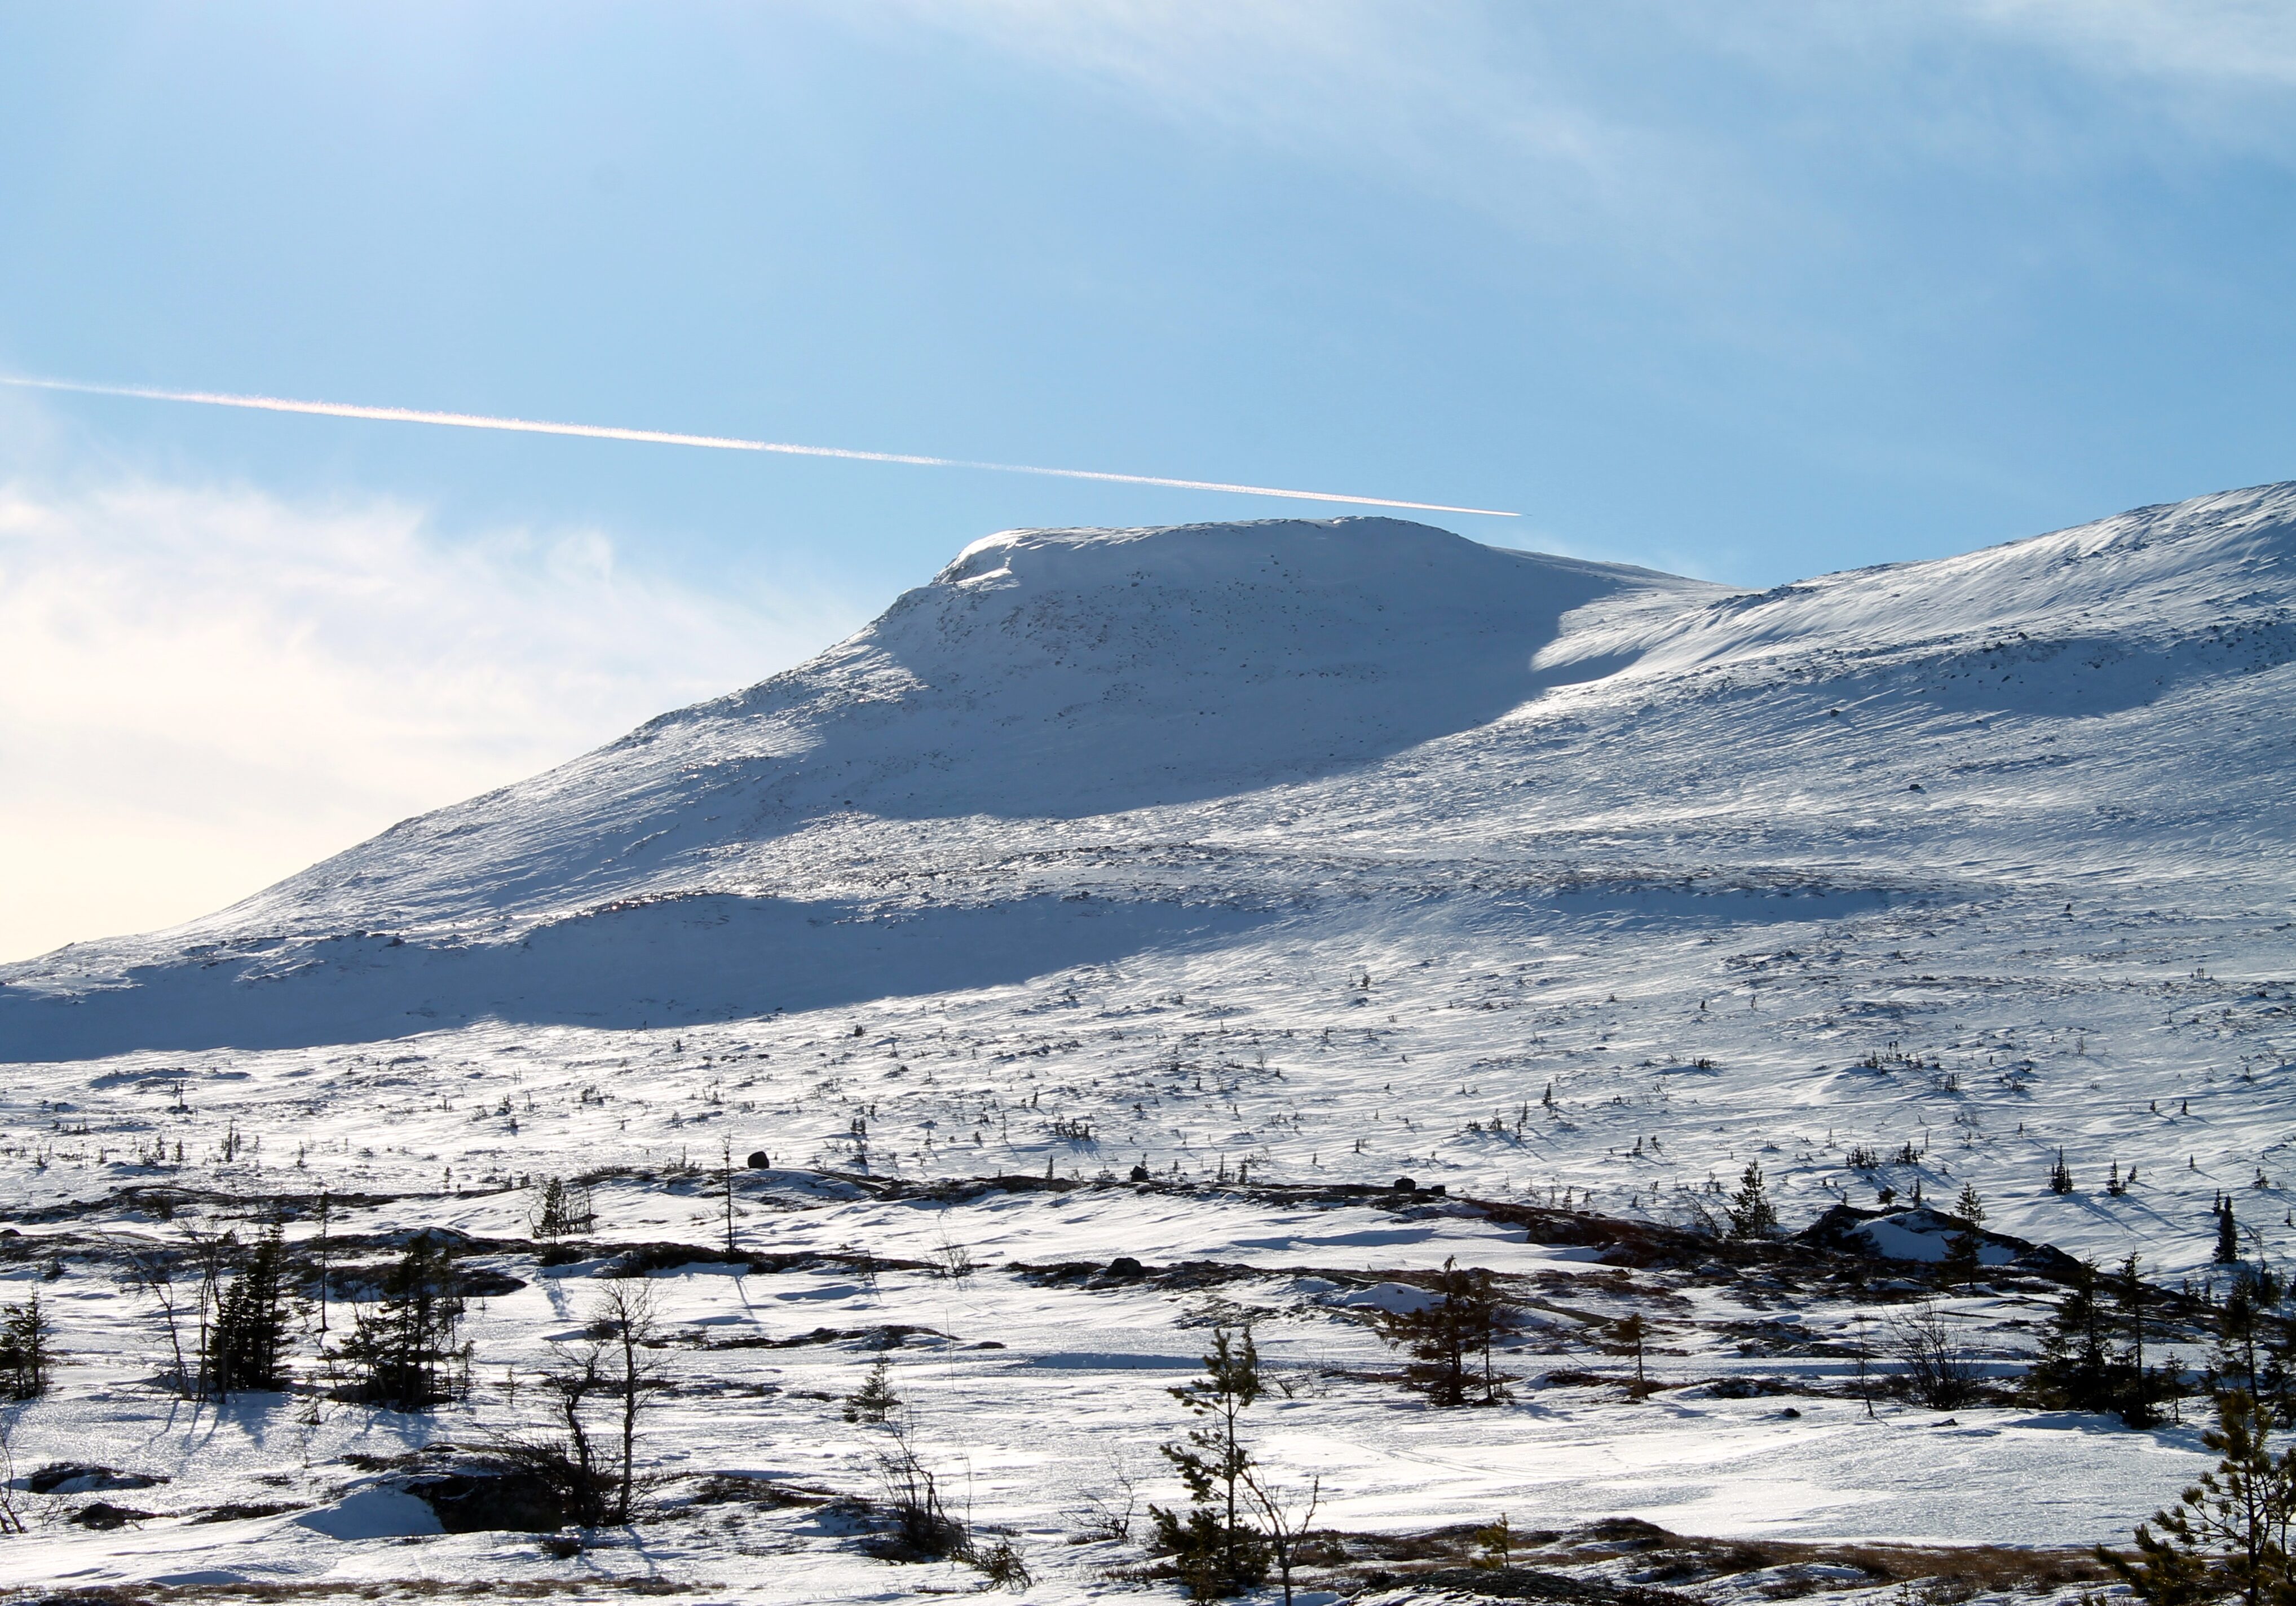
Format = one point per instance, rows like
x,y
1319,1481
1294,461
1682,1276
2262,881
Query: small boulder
x,y
482,1497
1125,1266
81,1477
103,1516
1403,1184
759,1161
1139,1174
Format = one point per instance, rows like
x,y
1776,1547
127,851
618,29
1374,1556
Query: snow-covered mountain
x,y
1304,852
1397,830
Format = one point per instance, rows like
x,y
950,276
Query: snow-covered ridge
x,y
1045,673
2142,578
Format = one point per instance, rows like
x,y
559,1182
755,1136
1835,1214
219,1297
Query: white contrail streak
x,y
528,426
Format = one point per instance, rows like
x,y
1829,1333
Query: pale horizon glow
x,y
723,442
206,688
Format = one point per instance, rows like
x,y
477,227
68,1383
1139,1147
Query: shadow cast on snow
x,y
707,957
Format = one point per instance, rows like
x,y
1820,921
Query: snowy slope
x,y
1320,852
1098,804
1042,675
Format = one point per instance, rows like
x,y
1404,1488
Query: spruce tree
x,y
874,1400
2256,1351
2239,1329
2060,1179
2136,1389
2276,1390
247,1344
404,1343
562,1210
2074,1370
2227,1234
1961,1264
27,1348
1751,1213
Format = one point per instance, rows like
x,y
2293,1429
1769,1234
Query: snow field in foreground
x,y
1029,1396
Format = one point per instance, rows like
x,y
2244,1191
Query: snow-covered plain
x,y
1309,852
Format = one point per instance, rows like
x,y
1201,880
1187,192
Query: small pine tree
x,y
874,1400
2227,1535
27,1348
1494,1545
1215,1547
2227,1234
1969,1206
1447,1338
1751,1213
2060,1179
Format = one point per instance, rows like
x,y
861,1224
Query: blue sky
x,y
1750,291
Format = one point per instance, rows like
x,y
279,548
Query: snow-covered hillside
x,y
1113,801
1319,852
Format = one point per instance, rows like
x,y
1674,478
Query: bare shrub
x,y
1938,1370
595,1480
1107,1514
12,1520
922,1529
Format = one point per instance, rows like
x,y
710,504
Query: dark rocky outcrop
x,y
1840,1230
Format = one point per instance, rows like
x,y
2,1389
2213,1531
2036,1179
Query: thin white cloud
x,y
202,690
1668,129
1469,103
2217,43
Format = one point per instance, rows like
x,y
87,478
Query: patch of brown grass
x,y
1946,1574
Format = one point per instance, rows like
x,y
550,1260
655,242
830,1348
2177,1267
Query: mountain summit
x,y
1043,675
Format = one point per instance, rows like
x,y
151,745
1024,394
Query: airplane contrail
x,y
723,442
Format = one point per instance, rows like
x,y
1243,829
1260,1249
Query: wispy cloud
x,y
1669,129
2214,42
203,689
1474,103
